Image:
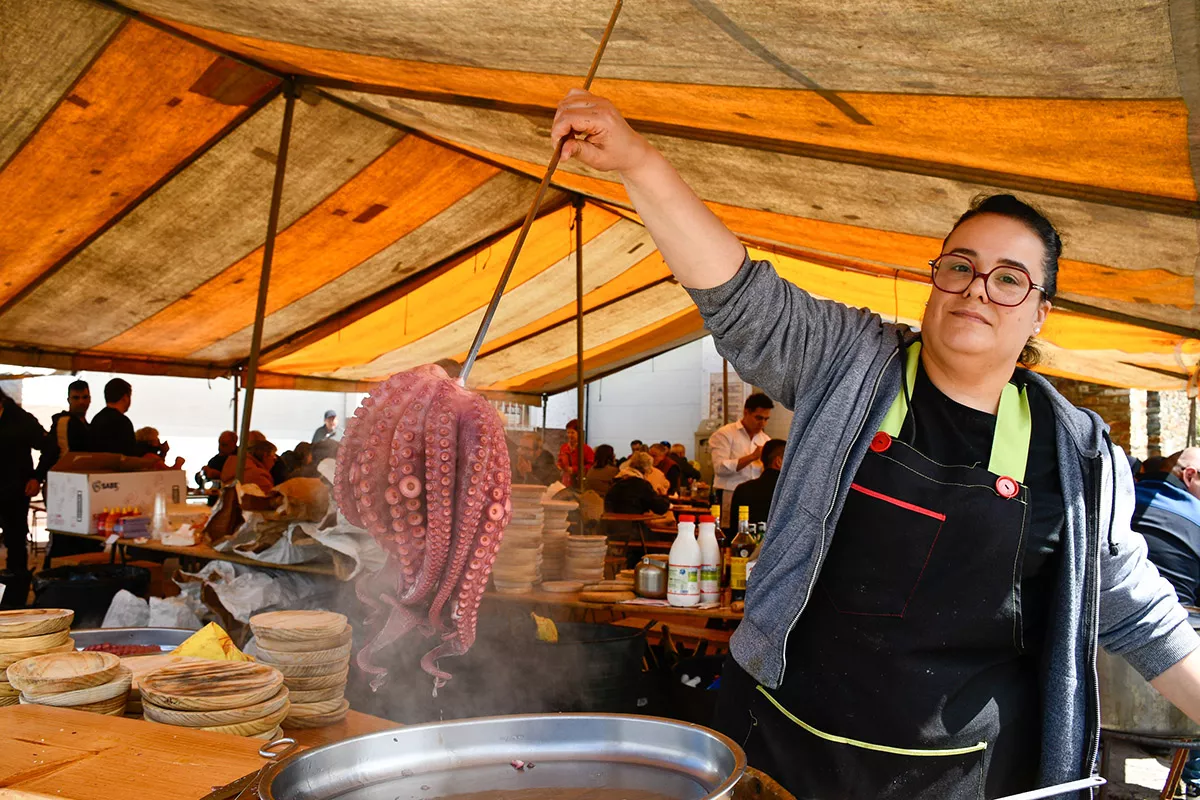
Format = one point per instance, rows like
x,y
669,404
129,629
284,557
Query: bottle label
x,y
683,580
737,573
710,578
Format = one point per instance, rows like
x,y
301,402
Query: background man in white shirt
x,y
737,452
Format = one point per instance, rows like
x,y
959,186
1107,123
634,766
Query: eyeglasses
x,y
1004,286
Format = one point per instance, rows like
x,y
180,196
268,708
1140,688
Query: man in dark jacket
x,y
756,494
69,431
20,435
111,430
531,463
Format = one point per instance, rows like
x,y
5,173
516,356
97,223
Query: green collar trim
x,y
1014,422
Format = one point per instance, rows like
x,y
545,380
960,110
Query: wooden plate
x,y
319,720
117,687
210,685
228,716
305,645
40,643
312,670
10,700
54,673
113,706
605,597
275,657
263,725
317,695
269,735
8,659
317,709
7,689
298,626
318,681
562,587
34,621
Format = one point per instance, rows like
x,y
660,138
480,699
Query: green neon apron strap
x,y
879,748
1014,428
1014,422
899,410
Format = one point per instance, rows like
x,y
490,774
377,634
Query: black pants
x,y
14,521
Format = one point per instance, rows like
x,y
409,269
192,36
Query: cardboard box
x,y
73,499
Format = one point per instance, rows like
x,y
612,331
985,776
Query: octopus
x,y
423,467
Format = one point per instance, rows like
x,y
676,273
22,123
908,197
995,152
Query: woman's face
x,y
572,437
968,324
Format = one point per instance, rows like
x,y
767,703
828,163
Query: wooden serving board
x,y
34,621
319,720
39,643
8,659
312,670
606,597
305,645
63,672
298,625
207,719
210,685
318,681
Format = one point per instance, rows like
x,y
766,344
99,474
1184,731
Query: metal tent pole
x,y
264,280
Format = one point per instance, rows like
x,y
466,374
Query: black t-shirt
x,y
951,433
112,432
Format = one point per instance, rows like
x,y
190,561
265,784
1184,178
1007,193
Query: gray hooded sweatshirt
x,y
838,368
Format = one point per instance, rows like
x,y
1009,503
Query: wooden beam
x,y
26,356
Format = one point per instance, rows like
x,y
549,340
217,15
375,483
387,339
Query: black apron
x,y
904,674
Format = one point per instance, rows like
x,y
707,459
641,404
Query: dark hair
x,y
1005,205
635,443
261,450
115,389
78,386
605,456
771,449
757,401
573,425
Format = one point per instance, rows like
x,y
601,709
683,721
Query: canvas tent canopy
x,y
139,144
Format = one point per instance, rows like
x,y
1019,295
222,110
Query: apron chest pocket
x,y
879,555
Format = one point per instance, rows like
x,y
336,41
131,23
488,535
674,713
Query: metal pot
x,y
650,577
542,755
1128,704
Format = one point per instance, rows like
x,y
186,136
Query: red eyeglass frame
x,y
975,273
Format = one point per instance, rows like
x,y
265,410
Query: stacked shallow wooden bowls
x,y
31,632
585,558
554,537
312,651
519,560
95,682
237,697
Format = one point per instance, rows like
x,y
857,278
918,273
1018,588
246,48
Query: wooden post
x,y
724,391
579,335
264,279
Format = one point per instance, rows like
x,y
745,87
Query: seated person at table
x,y
687,471
226,447
600,476
149,444
635,446
756,494
533,464
668,466
260,458
297,462
631,493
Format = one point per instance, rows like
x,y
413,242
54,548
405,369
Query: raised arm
x,y
697,246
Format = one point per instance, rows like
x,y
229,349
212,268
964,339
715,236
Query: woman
x,y
260,459
600,476
950,537
568,456
631,493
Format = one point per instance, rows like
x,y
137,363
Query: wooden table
x,y
201,552
71,754
571,601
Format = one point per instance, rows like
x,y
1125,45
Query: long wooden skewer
x,y
533,209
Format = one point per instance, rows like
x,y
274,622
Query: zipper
x,y
837,490
1094,599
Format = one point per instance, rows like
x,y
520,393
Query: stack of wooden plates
x,y
312,651
519,560
93,682
31,632
585,558
238,697
554,538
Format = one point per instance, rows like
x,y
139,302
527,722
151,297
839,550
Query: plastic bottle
x,y
683,566
710,561
102,521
